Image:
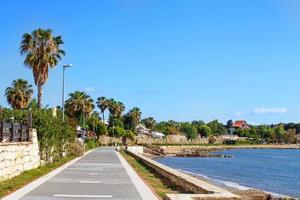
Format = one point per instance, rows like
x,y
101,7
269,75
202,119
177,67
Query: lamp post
x,y
63,91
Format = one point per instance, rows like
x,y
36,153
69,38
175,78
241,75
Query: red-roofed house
x,y
240,124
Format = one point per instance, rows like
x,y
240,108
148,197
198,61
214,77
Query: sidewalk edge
x,y
144,191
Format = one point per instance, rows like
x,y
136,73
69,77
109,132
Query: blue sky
x,y
181,60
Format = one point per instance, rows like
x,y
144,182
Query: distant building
x,y
298,137
156,134
230,139
240,124
143,130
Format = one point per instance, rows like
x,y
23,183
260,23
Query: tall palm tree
x,y
102,104
19,94
132,118
120,108
136,114
78,104
42,51
149,122
116,108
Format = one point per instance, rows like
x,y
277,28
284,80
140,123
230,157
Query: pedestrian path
x,y
101,174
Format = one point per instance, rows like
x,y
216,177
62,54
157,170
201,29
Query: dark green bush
x,y
53,134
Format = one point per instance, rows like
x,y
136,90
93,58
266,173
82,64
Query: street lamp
x,y
63,91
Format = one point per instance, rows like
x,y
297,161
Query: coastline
x,y
200,151
241,190
153,151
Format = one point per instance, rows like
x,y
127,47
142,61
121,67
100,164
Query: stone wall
x,y
107,140
17,157
169,139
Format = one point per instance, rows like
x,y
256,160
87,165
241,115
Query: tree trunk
x,y
40,93
103,117
124,141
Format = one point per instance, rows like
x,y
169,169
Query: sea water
x,y
273,170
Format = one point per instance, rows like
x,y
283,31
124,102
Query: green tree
x,y
217,128
93,121
33,105
149,123
279,131
79,106
229,123
42,51
116,108
19,94
125,135
204,130
132,119
103,105
290,136
189,130
116,131
102,129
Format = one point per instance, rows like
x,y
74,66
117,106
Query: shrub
x,y
54,136
75,149
102,130
90,144
116,131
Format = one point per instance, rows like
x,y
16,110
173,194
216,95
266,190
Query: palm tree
x,y
136,114
102,104
19,94
116,108
132,118
120,108
43,51
78,104
127,134
149,122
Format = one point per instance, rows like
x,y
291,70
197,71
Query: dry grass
x,y
158,185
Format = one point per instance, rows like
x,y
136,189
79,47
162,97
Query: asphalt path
x,y
98,175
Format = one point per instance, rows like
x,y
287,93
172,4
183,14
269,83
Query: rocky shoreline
x,y
204,151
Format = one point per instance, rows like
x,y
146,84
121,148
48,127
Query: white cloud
x,y
274,110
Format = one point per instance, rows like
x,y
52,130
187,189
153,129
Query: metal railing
x,y
13,132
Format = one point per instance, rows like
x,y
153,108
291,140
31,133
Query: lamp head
x,y
67,65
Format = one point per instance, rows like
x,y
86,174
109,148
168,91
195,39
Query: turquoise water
x,y
273,170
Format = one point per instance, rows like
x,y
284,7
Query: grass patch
x,y
160,186
11,185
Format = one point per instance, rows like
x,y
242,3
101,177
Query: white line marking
x,y
89,182
93,174
82,196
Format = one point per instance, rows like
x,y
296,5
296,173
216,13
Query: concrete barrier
x,y
198,189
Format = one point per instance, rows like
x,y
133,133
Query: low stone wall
x,y
198,188
107,140
17,157
169,139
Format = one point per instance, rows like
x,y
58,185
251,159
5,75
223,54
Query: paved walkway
x,y
100,174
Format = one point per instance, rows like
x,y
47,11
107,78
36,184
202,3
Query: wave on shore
x,y
230,184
